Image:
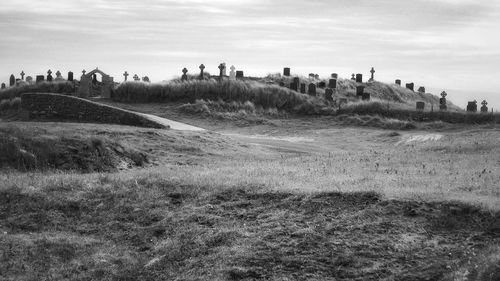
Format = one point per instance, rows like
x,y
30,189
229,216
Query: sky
x,y
451,45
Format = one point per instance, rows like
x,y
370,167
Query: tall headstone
x,y
484,108
12,80
420,105
202,67
70,76
442,101
3,86
286,71
294,86
303,88
239,74
184,74
410,86
332,83
398,82
335,76
312,89
221,70
40,78
472,106
372,71
329,94
359,91
29,79
22,75
359,78
49,76
232,73
353,77
125,74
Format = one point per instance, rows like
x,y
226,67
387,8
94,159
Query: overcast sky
x,y
449,45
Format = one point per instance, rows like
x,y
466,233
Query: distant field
x,y
303,198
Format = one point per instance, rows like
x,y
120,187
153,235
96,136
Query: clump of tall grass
x,y
10,104
62,87
229,110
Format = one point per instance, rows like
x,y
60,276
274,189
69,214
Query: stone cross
x,y
444,94
125,74
83,71
232,73
22,75
58,74
49,76
136,77
184,75
221,70
353,77
49,72
484,103
201,71
372,72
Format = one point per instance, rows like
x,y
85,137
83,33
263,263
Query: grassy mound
x,y
36,150
62,87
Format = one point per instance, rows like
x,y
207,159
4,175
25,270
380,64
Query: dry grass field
x,y
283,199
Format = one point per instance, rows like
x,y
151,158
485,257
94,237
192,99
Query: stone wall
x,y
56,106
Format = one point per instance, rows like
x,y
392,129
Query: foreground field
x,y
302,200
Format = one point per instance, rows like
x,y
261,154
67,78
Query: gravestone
x,y
303,88
146,79
12,80
224,70
294,86
286,71
29,79
420,106
22,75
282,84
335,76
472,106
311,75
58,76
359,91
296,80
366,96
239,74
329,94
70,76
202,67
39,79
18,81
136,78
312,89
316,76
3,86
322,84
184,74
398,82
442,101
372,71
359,78
221,70
421,90
125,74
232,74
410,86
49,76
332,83
484,108
353,77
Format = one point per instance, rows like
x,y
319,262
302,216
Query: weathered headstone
x,y
282,84
398,82
202,67
136,77
420,105
359,78
22,75
146,79
70,76
303,88
335,76
359,91
372,71
29,79
286,71
311,75
184,74
421,90
239,74
40,78
232,73
125,74
484,108
294,86
366,96
410,86
329,94
58,76
224,70
322,84
3,86
332,83
12,80
353,77
472,106
221,70
49,76
311,89
442,101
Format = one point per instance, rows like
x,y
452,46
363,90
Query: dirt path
x,y
172,124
